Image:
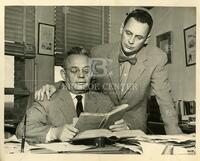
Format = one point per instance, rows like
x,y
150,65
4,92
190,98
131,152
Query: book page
x,y
107,133
128,133
115,115
89,121
93,134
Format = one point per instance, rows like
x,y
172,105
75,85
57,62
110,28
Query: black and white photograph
x,y
85,79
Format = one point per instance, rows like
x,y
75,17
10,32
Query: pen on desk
x,y
23,136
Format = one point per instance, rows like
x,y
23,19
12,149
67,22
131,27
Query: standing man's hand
x,y
47,90
119,125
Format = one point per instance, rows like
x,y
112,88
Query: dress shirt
x,y
75,100
125,68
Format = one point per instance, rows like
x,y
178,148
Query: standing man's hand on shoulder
x,y
47,90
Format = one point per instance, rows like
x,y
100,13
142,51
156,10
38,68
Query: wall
x,y
118,15
44,69
175,19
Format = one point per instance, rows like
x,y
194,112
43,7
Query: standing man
x,y
134,69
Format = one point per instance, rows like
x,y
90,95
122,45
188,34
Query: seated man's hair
x,y
75,51
78,50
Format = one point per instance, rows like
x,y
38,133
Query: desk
x,y
148,144
108,149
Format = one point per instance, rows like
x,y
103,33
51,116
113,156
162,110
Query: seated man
x,y
52,119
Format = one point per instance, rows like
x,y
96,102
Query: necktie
x,y
79,105
123,58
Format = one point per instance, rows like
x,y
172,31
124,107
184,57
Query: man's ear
x,y
62,73
121,28
147,39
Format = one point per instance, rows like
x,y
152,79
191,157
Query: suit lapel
x,y
114,69
90,103
135,71
68,108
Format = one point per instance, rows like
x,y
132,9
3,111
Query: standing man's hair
x,y
74,51
141,15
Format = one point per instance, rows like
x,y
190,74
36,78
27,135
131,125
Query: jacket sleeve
x,y
37,125
161,88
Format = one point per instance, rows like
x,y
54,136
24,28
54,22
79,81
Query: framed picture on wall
x,y
46,39
190,45
164,42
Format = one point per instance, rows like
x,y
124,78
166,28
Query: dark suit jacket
x,y
59,110
150,71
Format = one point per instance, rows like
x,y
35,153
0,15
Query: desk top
x,y
173,144
108,149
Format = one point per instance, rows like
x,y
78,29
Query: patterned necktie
x,y
123,58
79,105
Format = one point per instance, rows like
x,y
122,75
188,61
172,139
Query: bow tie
x,y
123,58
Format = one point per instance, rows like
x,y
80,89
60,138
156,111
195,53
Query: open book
x,y
88,121
105,133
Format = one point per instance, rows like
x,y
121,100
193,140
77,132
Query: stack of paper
x,y
13,145
180,144
167,138
135,148
63,147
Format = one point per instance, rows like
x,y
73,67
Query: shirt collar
x,y
74,95
132,56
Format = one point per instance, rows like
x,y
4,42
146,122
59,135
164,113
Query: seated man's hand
x,y
119,125
47,90
67,132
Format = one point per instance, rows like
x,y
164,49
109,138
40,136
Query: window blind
x,y
107,26
59,20
86,26
20,30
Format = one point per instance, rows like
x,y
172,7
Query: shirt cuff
x,y
52,134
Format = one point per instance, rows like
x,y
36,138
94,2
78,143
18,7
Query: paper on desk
x,y
179,150
167,138
12,145
63,146
152,148
12,139
14,148
134,148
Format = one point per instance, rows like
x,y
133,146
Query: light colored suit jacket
x,y
59,110
149,72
